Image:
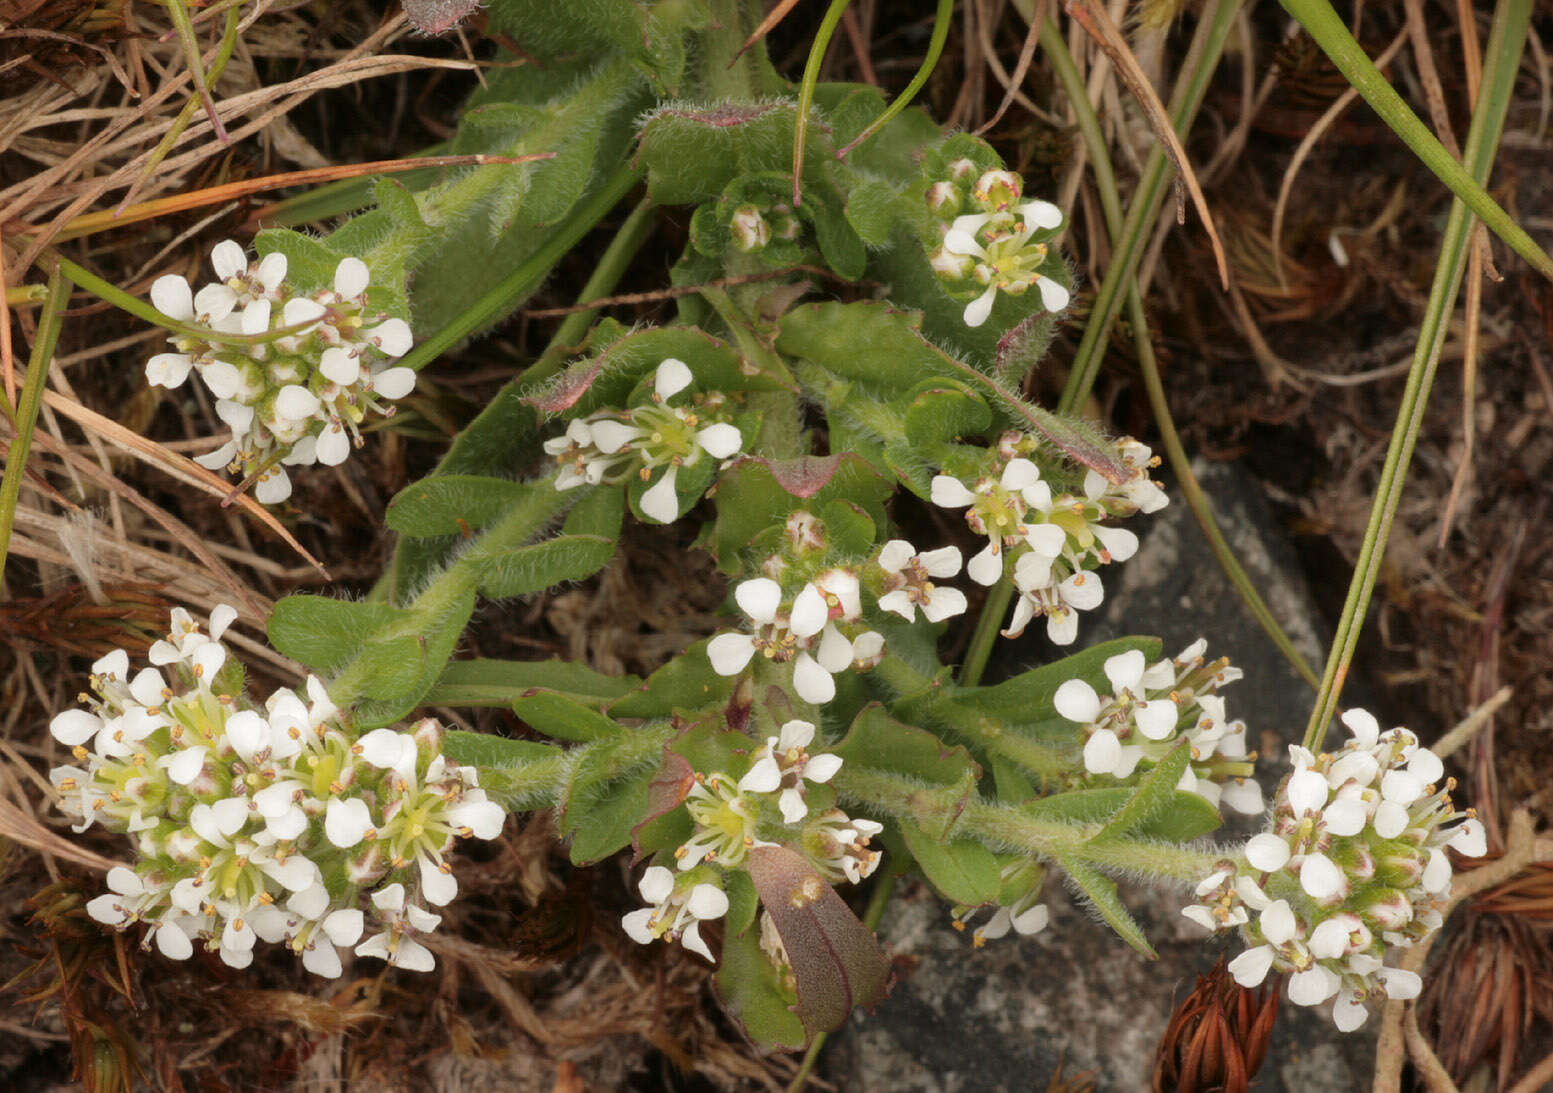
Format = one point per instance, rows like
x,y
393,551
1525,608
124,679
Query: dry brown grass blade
x,y
781,11
7,361
19,827
1021,67
213,195
1308,145
1097,23
178,466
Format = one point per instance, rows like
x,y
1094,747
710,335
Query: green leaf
x,y
529,569
324,633
310,263
693,152
749,988
488,752
686,683
1156,790
483,682
1100,891
879,742
883,350
944,410
963,871
601,805
743,902
458,504
563,717
757,495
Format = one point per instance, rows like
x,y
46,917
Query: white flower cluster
x,y
908,581
270,824
608,446
1353,866
991,250
728,818
1150,708
294,375
805,635
1057,541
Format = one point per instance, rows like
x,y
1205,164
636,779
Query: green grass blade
x,y
935,48
1324,25
1506,42
811,77
27,406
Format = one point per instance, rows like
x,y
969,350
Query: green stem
x,y
942,20
1203,58
973,726
811,77
1105,181
988,625
191,57
49,320
499,299
1326,27
1506,41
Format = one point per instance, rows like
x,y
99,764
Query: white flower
x,y
786,636
1004,259
401,921
909,580
677,910
838,846
784,764
996,509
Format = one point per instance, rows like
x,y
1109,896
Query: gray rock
x,y
1004,1017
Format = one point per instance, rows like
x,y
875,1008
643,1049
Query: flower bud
x,y
749,229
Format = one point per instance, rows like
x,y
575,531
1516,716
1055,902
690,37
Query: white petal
x,y
114,665
394,383
214,302
691,939
351,277
812,682
340,366
822,768
168,369
74,727
1469,839
296,402
960,241
1083,590
657,884
322,959
1401,786
413,956
1041,214
1062,627
247,732
125,882
1312,986
1047,540
661,502
609,436
792,805
437,887
222,617
393,337
835,651
274,486
635,924
950,493
1365,728
171,295
185,766
1018,474
1329,940
1252,966
1202,916
1119,543
720,440
940,563
1102,752
299,310
383,748
346,822
286,826
228,259
1400,983
255,318
173,943
1348,1012
1278,923
1243,795
1307,792
894,555
1156,718
672,377
944,603
1346,816
900,603
271,271
485,819
977,310
1320,876
810,612
707,901
1267,852
147,687
1032,921
1426,767
332,447
223,379
1437,874
1391,819
729,653
764,777
987,566
1077,701
760,598
1053,296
